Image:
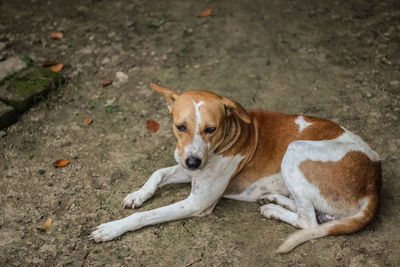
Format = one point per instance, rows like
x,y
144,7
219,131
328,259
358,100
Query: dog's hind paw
x,y
107,231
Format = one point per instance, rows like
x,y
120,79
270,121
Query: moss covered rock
x,y
27,87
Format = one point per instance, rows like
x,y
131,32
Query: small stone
x,y
121,77
10,66
86,50
41,171
106,60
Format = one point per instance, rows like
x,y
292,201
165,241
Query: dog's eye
x,y
210,130
181,128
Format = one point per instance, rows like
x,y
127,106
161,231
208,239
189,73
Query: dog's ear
x,y
235,108
169,94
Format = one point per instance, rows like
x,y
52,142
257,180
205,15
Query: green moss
x,y
25,88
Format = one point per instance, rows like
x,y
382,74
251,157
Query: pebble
x,y
121,77
106,60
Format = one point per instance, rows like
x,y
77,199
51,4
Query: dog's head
x,y
199,123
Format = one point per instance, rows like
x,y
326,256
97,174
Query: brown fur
x,y
275,131
344,183
350,186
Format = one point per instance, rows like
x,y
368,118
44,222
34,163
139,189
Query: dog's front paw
x,y
135,199
107,231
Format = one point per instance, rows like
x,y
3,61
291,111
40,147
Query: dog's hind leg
x,y
303,218
280,200
161,177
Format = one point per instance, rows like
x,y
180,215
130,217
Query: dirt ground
x,y
334,59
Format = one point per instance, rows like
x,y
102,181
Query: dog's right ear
x,y
169,94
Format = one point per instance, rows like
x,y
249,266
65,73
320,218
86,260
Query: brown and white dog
x,y
319,176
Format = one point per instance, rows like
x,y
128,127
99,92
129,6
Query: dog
x,y
313,173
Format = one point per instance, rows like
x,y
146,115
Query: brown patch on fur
x,y
353,224
344,184
320,129
274,132
346,181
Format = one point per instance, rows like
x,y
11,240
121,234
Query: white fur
x,y
307,196
295,198
161,177
302,123
198,147
283,201
198,115
267,185
322,230
208,185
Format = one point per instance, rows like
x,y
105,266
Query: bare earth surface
x,y
334,59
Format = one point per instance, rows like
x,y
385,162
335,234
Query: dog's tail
x,y
347,225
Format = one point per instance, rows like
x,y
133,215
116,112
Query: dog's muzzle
x,y
193,163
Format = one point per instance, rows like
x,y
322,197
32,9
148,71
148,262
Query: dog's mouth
x,y
192,169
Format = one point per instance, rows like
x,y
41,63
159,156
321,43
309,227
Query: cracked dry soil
x,y
334,59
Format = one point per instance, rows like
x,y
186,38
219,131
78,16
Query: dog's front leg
x,y
174,174
205,192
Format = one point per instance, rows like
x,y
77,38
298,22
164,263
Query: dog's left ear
x,y
236,108
169,94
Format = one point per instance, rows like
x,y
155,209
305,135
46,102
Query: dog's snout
x,y
193,162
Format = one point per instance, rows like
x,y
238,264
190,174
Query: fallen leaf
x,y
152,126
205,13
57,68
105,83
61,163
87,121
46,225
57,35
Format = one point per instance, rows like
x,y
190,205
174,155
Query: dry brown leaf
x,y
46,225
57,68
57,35
61,163
105,83
152,126
205,13
87,121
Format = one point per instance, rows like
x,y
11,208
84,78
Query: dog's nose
x,y
193,163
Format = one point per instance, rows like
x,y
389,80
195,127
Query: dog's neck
x,y
239,138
